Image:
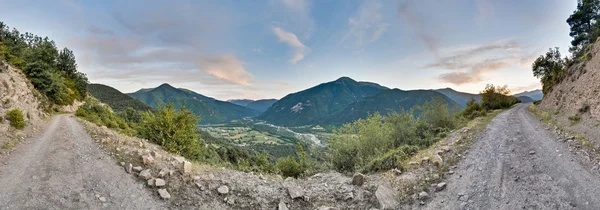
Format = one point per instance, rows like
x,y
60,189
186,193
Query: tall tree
x,y
584,25
66,62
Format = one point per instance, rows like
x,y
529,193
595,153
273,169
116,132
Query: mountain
x,y
536,95
459,97
241,102
385,102
525,99
117,100
210,110
261,105
313,105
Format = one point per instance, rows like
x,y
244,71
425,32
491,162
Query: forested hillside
x,y
115,99
52,71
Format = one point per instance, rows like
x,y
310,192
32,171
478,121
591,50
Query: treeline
x,y
584,25
53,72
383,142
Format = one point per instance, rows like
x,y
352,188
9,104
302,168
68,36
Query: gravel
x,y
501,172
61,168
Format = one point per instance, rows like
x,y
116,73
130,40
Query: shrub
x,y
473,110
15,117
173,129
575,119
497,97
93,111
390,160
289,167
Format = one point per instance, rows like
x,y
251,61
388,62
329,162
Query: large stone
x,y
151,182
146,174
358,179
386,197
147,159
223,190
282,206
160,182
295,191
128,168
164,194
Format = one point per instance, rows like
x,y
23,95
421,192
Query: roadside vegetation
x,y
383,142
51,71
16,119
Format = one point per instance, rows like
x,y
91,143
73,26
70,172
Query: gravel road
x,y
62,168
518,164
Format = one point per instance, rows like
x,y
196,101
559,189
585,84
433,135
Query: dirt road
x,y
518,164
62,168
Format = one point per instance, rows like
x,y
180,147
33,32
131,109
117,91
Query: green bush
x,y
473,110
497,97
289,167
575,119
173,129
390,160
15,117
98,113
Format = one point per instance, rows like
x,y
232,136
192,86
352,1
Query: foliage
x,y
93,111
584,24
381,142
289,167
497,97
52,72
174,129
473,110
575,119
551,69
16,119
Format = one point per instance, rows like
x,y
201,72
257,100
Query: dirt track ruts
x,y
518,164
62,168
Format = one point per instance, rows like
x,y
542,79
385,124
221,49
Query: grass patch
x,y
15,116
575,119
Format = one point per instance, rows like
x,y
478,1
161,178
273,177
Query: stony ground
x,y
62,168
520,163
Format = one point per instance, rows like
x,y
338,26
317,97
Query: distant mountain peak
x,y
165,85
344,78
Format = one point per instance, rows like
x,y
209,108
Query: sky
x,y
267,49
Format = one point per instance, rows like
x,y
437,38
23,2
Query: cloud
x,y
100,31
470,65
367,24
428,33
226,67
300,50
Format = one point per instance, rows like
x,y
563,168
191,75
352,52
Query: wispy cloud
x,y
366,25
226,67
300,50
100,31
427,32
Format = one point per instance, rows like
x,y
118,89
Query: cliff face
x,y
17,92
579,90
575,102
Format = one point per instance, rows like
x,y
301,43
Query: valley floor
x,y
62,168
519,163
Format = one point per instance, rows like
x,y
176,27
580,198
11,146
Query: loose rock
x,y
186,167
163,172
146,174
164,194
397,172
160,182
437,160
295,192
147,159
358,179
223,190
151,182
441,186
386,197
128,168
531,152
138,168
103,199
282,206
423,195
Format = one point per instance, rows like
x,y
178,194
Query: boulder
x,y
160,182
151,182
295,191
186,167
146,174
386,197
282,206
164,194
128,168
223,190
358,179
